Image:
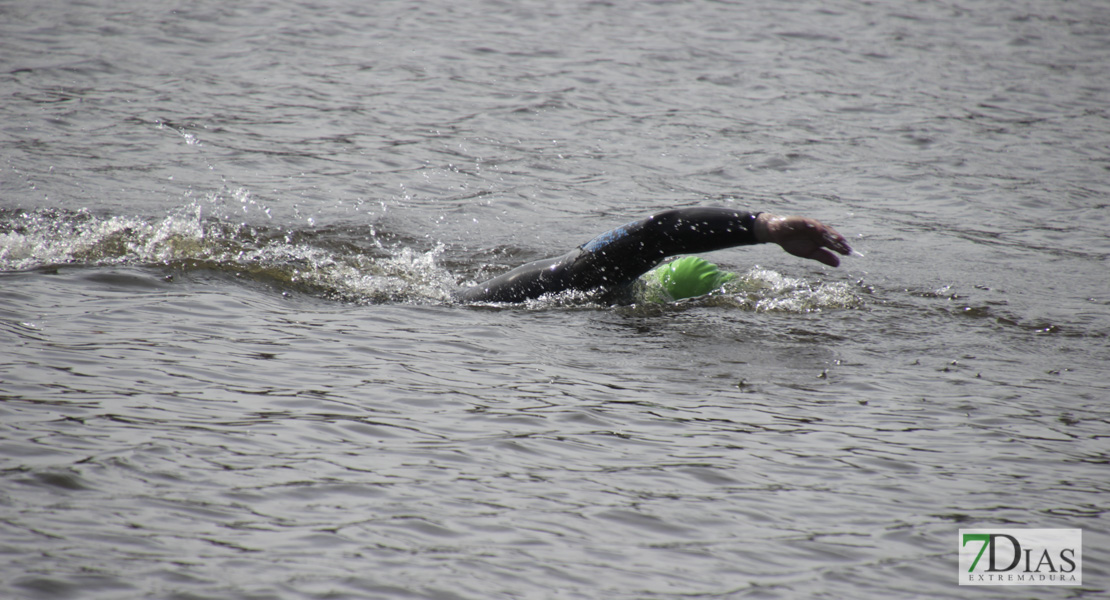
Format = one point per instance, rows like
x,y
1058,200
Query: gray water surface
x,y
231,366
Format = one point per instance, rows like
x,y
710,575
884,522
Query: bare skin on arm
x,y
802,236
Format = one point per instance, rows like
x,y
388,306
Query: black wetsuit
x,y
617,257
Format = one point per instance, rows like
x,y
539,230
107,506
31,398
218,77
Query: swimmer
x,y
616,258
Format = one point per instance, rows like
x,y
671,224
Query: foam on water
x,y
763,290
187,241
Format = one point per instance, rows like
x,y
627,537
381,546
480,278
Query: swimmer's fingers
x,y
824,256
833,240
808,238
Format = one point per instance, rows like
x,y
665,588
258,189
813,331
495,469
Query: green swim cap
x,y
688,277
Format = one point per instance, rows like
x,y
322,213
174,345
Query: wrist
x,y
764,227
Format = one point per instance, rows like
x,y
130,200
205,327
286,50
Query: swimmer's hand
x,y
802,236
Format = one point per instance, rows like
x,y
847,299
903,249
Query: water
x,y
232,367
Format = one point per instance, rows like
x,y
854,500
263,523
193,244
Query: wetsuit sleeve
x,y
617,257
